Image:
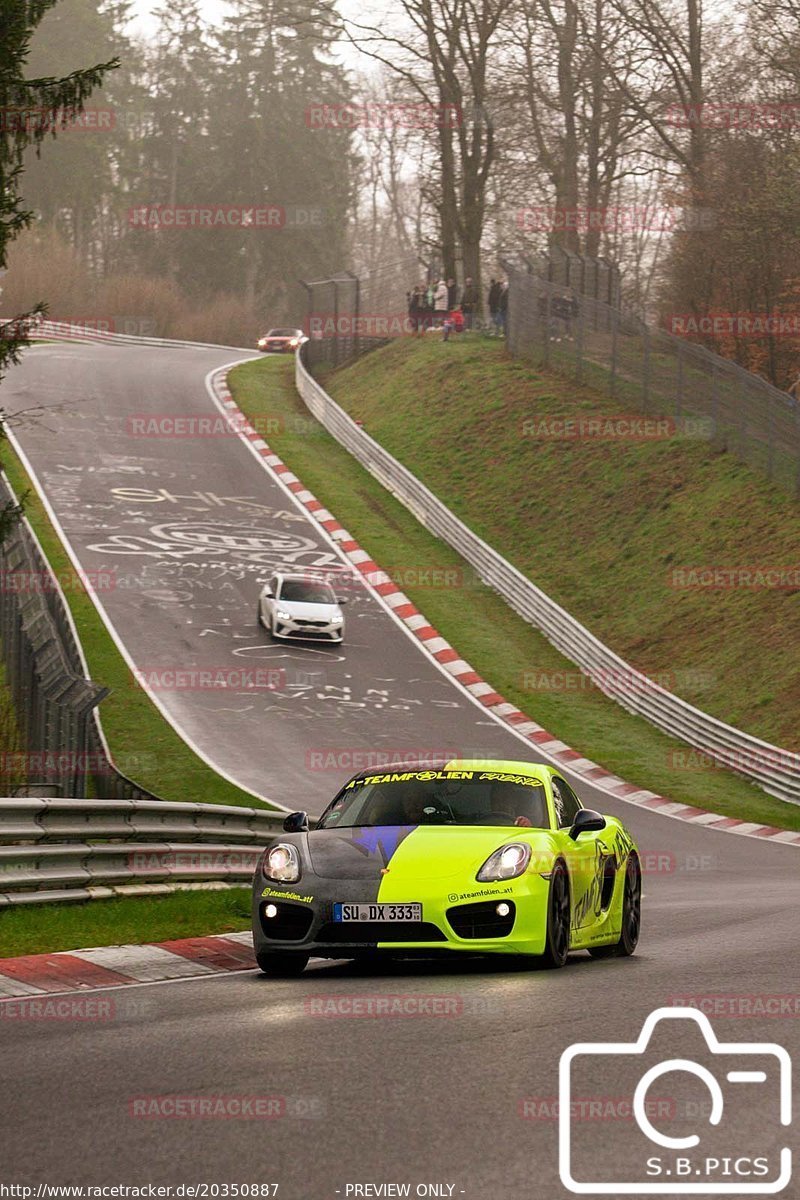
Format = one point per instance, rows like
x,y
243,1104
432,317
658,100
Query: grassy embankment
x,y
593,525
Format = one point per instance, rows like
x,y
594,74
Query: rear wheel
x,y
631,915
558,918
281,966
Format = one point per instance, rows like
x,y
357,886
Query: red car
x,y
281,341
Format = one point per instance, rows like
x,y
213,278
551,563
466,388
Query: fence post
x,y
335,322
646,371
579,346
613,353
679,389
356,314
714,402
309,313
547,312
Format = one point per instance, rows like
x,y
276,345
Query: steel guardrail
x,y
58,849
774,769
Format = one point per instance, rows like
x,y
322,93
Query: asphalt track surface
x,y
464,1100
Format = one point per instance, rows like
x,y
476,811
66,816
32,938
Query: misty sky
x,y
214,11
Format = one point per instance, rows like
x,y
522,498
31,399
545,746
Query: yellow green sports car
x,y
469,857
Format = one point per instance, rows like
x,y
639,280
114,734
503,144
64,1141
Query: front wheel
x,y
558,918
631,915
281,966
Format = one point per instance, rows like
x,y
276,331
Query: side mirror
x,y
586,821
297,822
268,592
341,600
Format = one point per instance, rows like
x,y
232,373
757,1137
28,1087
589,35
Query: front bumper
x,y
308,630
456,919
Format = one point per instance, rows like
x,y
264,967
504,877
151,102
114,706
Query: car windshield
x,y
282,333
439,797
306,591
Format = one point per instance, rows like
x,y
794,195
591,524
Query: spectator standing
x,y
502,308
492,302
440,302
469,302
452,294
414,300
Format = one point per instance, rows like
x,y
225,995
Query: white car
x,y
297,606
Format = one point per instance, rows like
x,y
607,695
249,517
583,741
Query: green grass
x,y
10,737
498,644
601,526
144,745
43,929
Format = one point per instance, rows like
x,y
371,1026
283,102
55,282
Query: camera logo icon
x,y
730,1103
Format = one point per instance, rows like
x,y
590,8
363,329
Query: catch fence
x,y
655,373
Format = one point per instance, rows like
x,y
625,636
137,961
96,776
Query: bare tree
x,y
444,56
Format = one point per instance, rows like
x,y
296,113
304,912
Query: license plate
x,y
377,912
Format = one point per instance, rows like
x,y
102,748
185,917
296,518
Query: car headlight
x,y
281,863
282,615
336,620
294,341
506,863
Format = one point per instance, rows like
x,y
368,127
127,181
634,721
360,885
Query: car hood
x,y
419,851
309,612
